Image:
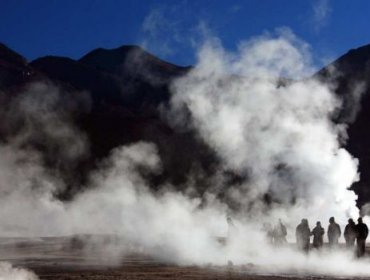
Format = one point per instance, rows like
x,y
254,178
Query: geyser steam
x,y
263,123
271,127
8,272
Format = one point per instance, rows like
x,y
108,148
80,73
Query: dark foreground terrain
x,y
69,258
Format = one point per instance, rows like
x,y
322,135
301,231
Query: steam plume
x,y
265,121
8,272
268,125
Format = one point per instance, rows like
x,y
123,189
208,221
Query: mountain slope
x,y
14,69
126,86
351,74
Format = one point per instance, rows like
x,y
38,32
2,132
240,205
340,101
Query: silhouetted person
x,y
318,235
334,232
302,234
280,233
362,232
350,233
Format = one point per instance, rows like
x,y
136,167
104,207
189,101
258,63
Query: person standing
x,y
334,233
303,234
318,235
350,234
280,233
362,232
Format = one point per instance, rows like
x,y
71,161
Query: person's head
x,y
350,221
305,222
318,224
331,220
359,220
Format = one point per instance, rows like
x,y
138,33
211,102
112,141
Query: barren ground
x,y
65,259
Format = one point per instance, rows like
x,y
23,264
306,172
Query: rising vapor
x,y
273,128
266,121
8,272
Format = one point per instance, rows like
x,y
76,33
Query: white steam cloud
x,y
276,130
8,272
263,124
321,11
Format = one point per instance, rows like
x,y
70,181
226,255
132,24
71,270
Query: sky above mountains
x,y
173,30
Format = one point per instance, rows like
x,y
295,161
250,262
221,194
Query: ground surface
x,y
68,259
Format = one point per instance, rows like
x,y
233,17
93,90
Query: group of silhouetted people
x,y
358,233
353,233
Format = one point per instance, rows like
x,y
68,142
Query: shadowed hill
x,y
126,86
14,69
133,61
351,74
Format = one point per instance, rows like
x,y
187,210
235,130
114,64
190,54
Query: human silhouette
x,y
350,233
334,233
318,234
302,234
280,233
362,232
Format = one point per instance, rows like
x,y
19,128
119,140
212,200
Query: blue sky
x,y
172,29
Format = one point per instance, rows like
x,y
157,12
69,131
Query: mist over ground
x,y
256,109
8,272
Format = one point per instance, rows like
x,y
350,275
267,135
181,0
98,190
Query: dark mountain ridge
x,y
351,74
125,87
14,68
131,60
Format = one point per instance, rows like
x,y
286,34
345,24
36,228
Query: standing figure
x,y
280,233
334,233
362,232
318,234
302,234
350,234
